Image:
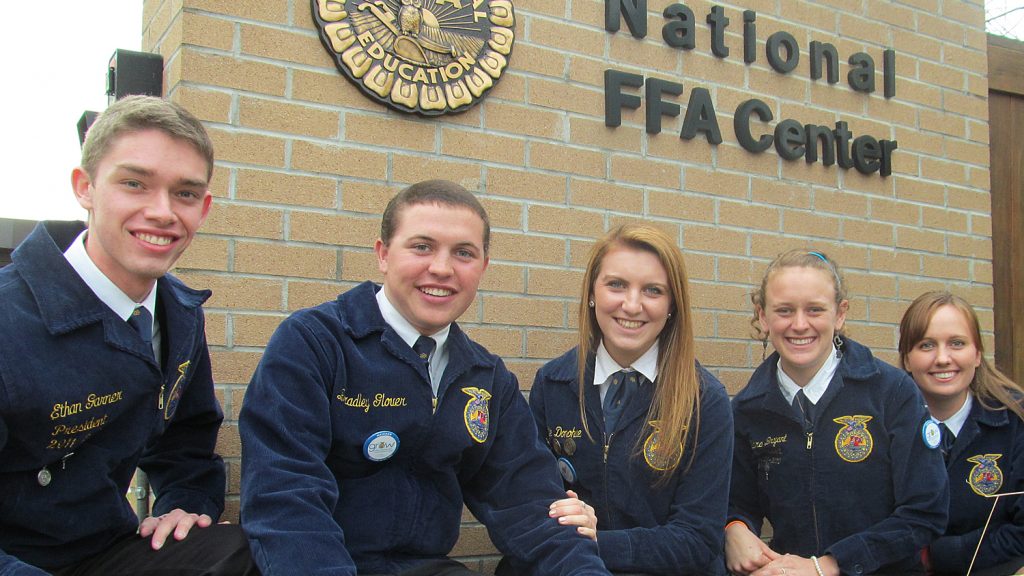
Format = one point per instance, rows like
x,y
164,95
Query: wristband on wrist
x,y
817,565
734,522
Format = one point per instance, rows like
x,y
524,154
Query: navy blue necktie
x,y
804,409
624,383
424,347
946,442
142,321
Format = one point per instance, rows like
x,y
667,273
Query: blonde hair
x,y
797,258
989,384
676,402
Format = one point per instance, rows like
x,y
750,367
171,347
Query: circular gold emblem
x,y
426,56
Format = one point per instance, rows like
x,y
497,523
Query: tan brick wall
x,y
306,163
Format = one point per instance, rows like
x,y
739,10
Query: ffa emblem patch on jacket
x,y
854,441
175,396
985,478
477,413
659,456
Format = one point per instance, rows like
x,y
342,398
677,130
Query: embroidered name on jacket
x,y
985,478
854,441
380,400
477,413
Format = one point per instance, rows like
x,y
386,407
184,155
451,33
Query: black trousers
x,y
217,550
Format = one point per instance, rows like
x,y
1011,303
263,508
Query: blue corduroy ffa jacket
x,y
670,528
860,484
82,395
987,458
315,503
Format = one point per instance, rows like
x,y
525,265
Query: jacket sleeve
x,y
691,541
920,490
182,464
744,500
288,491
1003,542
514,488
9,565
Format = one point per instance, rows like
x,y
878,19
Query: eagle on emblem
x,y
419,31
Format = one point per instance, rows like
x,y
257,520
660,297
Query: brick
x,y
716,183
551,282
264,11
980,248
233,367
228,443
232,219
549,7
971,200
523,311
329,159
721,297
917,191
682,206
563,158
942,219
247,148
332,89
284,45
918,239
252,329
518,183
206,105
523,120
780,193
840,202
606,195
737,159
333,229
280,260
561,96
895,261
230,72
286,188
367,197
593,133
527,248
501,341
410,169
503,214
589,71
623,49
722,353
202,30
539,60
569,221
216,328
868,232
547,344
237,292
390,132
484,146
560,35
871,284
358,265
306,294
746,215
271,116
808,223
640,170
505,278
897,212
712,239
205,253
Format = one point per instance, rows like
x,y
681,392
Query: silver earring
x,y
764,348
670,315
838,342
591,303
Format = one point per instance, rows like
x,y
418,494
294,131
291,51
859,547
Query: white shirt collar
x,y
605,366
956,421
406,331
814,389
103,287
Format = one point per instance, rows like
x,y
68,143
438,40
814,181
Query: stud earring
x,y
591,303
669,315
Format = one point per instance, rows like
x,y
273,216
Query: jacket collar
x,y
361,317
65,302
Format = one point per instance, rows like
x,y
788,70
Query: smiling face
x,y
146,200
944,361
801,317
632,301
433,263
